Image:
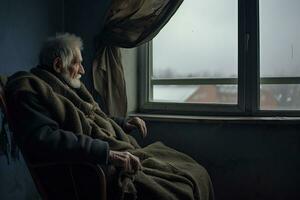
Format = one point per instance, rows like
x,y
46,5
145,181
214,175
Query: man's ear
x,y
57,65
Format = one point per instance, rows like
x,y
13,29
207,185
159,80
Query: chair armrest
x,y
80,174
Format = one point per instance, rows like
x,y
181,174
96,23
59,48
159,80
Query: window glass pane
x,y
223,94
280,97
279,52
279,38
200,40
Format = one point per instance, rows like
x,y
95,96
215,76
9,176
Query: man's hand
x,y
125,160
136,122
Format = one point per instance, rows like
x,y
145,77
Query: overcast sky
x,y
202,38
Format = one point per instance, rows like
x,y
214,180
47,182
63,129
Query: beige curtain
x,y
129,23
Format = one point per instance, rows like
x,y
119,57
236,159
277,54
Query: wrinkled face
x,y
72,73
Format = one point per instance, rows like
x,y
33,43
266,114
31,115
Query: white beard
x,y
73,82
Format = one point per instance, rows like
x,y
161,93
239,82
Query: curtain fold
x,y
129,23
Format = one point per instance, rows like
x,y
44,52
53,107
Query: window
x,y
225,56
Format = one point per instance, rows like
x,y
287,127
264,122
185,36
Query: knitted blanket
x,y
166,173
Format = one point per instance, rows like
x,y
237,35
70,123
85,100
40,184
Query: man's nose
x,y
81,69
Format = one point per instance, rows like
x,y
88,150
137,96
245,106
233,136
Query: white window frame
x,y
248,81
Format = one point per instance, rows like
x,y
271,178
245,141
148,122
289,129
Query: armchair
x,y
64,180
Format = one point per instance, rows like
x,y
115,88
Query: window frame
x,y
248,76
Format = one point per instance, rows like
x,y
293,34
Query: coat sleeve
x,y
42,139
120,121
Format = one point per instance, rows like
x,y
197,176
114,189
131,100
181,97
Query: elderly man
x,y
58,119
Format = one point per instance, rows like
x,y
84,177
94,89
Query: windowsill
x,y
229,119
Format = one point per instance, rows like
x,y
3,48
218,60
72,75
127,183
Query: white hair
x,y
64,46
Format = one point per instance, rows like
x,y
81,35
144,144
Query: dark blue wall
x,y
245,161
249,161
23,27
